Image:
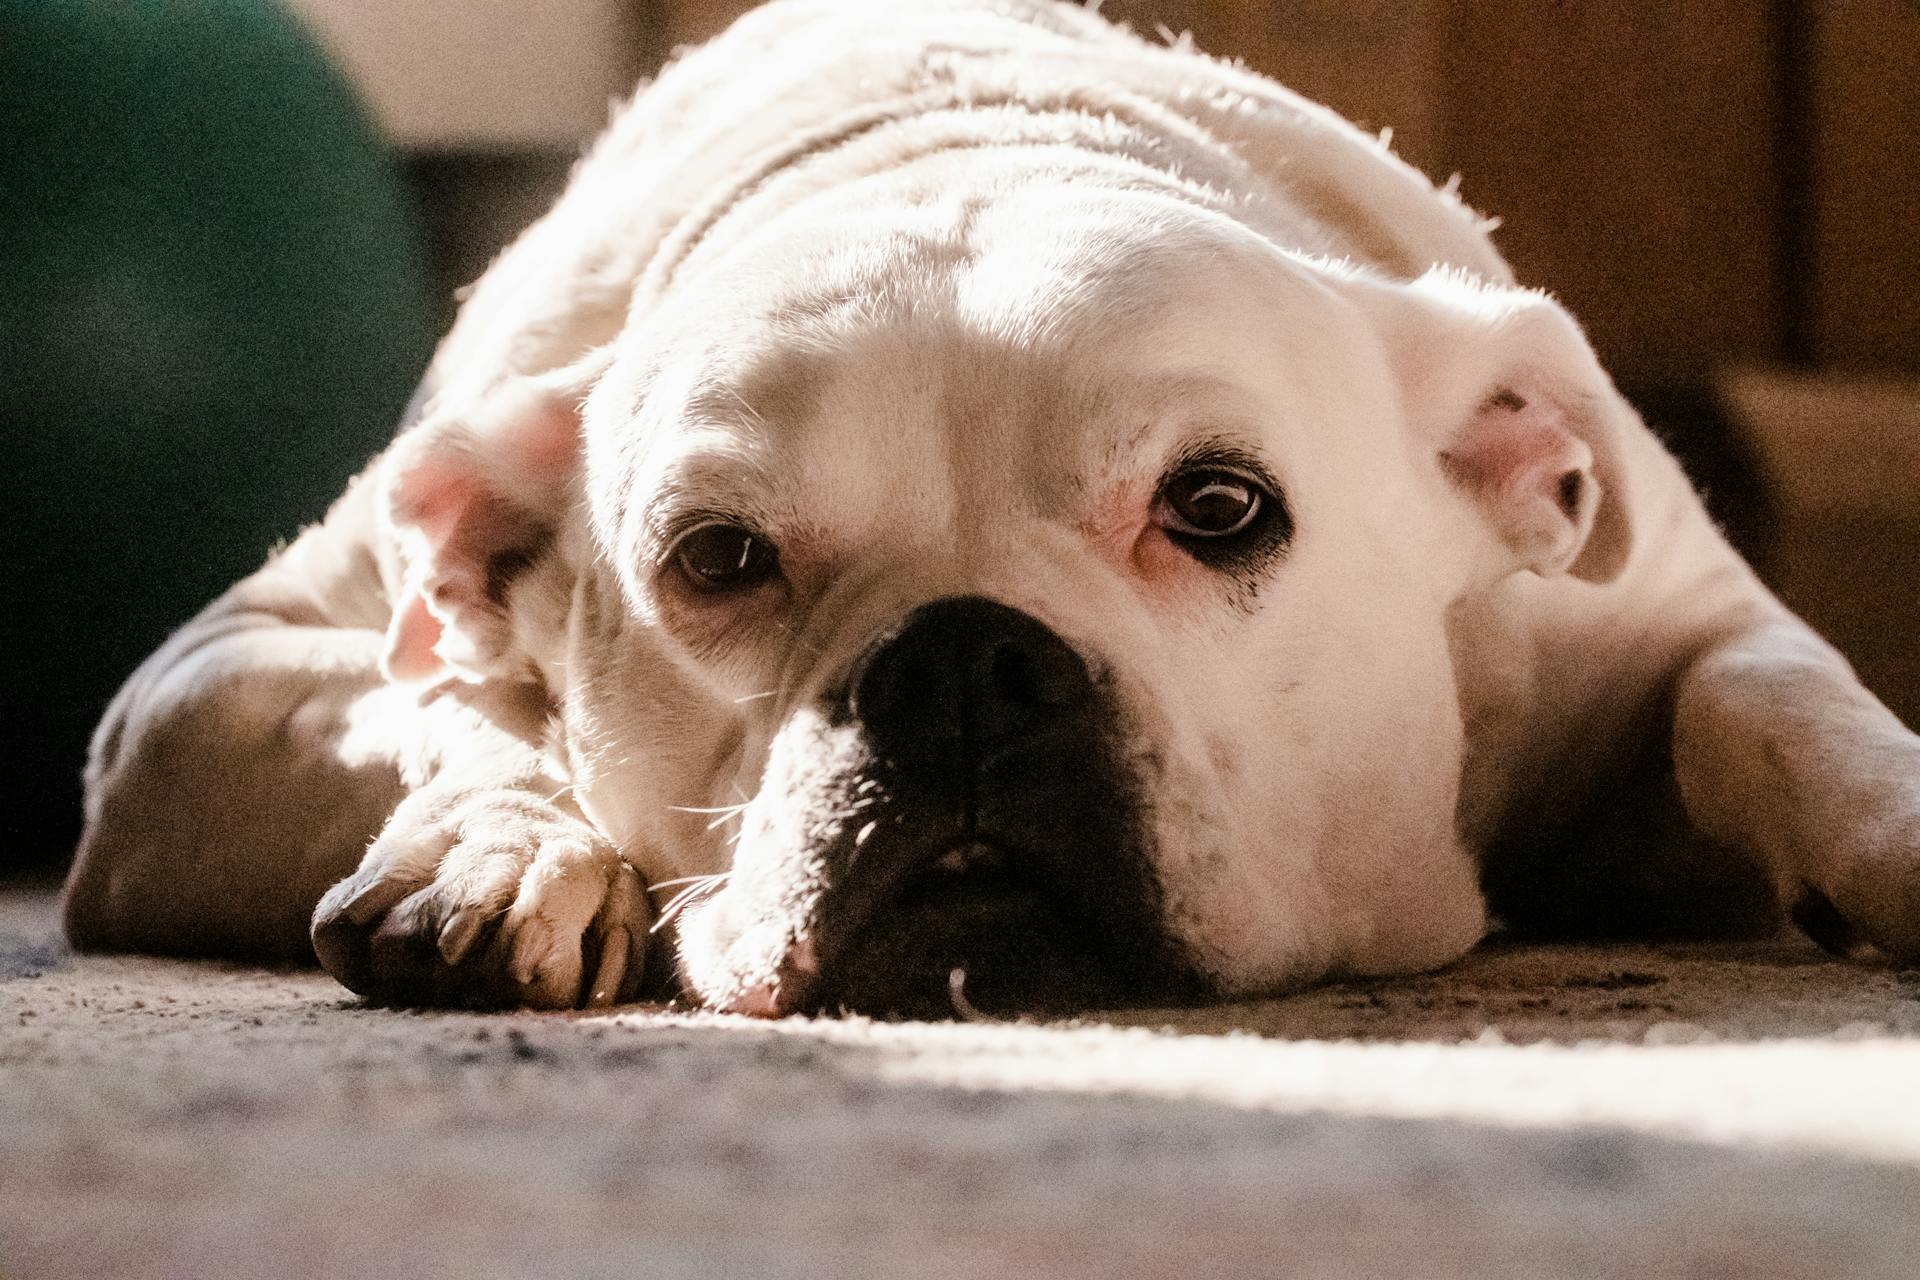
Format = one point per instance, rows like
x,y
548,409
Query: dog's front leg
x,y
249,762
219,801
218,806
487,887
1780,751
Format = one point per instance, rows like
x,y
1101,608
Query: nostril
x,y
961,675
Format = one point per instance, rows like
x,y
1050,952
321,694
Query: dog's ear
x,y
1519,419
474,495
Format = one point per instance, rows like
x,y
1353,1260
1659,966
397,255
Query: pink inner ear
x,y
1527,458
522,443
548,437
434,498
411,640
1518,461
470,499
452,612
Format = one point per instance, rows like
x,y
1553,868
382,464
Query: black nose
x,y
962,682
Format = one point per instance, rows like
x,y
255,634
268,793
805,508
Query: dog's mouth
x,y
885,922
972,878
973,932
968,842
977,933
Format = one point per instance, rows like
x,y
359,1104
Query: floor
x,y
1745,1111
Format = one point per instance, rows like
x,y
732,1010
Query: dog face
x,y
1038,602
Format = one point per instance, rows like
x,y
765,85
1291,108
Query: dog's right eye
x,y
725,557
1209,502
1224,511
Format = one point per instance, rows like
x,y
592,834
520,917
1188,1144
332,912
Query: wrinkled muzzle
x,y
953,827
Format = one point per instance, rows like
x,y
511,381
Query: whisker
x,y
673,909
686,898
800,641
755,697
668,884
752,413
722,814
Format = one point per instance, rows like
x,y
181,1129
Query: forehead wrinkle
x,y
1052,267
1198,400
778,389
875,269
728,479
1026,429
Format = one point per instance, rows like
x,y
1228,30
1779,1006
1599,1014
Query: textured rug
x,y
1749,1111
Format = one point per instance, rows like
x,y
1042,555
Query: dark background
x,y
226,254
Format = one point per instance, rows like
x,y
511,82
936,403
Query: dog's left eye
x,y
1208,502
720,556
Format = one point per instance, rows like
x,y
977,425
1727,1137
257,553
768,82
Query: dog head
x,y
1032,602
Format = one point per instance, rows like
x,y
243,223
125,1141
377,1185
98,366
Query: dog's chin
x,y
982,944
986,940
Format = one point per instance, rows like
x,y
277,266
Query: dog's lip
x,y
970,867
970,873
791,986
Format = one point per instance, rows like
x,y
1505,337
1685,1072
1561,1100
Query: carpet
x,y
1701,1111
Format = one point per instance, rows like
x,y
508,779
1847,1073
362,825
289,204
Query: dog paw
x,y
1879,894
1860,886
486,899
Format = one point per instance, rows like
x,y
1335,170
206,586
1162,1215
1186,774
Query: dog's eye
x,y
1208,502
725,557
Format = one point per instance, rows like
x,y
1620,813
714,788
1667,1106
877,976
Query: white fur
x,y
932,296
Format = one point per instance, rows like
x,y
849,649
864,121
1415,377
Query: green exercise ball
x,y
213,308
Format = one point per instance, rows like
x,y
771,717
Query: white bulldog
x,y
964,508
